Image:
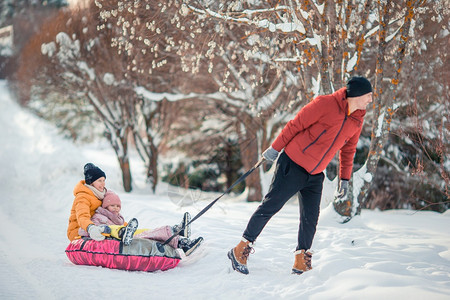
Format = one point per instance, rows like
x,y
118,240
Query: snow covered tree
x,y
265,60
396,27
154,69
252,66
328,42
76,67
209,142
244,85
414,161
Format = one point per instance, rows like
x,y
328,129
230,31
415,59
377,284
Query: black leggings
x,y
289,179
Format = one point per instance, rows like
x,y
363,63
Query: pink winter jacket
x,y
103,216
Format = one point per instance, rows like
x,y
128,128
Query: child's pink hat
x,y
111,198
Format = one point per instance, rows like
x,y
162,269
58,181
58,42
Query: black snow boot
x,y
126,233
189,246
186,232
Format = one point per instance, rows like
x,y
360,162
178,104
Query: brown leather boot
x,y
302,262
239,254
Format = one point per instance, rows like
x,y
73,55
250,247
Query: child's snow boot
x,y
126,233
239,254
186,232
189,246
302,262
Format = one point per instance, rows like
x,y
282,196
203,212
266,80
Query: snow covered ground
x,y
388,255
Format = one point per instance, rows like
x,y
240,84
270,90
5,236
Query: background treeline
x,y
201,88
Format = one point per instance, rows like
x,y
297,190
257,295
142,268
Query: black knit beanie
x,y
358,86
92,173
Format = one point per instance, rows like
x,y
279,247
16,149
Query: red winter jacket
x,y
319,130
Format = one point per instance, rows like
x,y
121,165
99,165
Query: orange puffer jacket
x,y
319,130
83,208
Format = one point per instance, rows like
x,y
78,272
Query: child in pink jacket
x,y
114,224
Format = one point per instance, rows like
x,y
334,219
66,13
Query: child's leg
x,y
141,231
159,234
115,231
124,233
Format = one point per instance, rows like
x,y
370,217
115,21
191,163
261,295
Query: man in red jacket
x,y
324,126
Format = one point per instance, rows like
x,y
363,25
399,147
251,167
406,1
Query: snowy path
x,y
388,255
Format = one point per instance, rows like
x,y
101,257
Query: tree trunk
x,y
249,156
384,111
229,165
152,168
126,173
378,134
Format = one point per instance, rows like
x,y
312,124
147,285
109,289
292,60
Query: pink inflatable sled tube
x,y
141,255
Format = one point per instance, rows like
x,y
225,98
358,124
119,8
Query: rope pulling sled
x,y
240,179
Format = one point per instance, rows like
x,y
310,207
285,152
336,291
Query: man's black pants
x,y
289,179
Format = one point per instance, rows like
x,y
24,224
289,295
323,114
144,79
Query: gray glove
x,y
270,154
95,232
341,192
